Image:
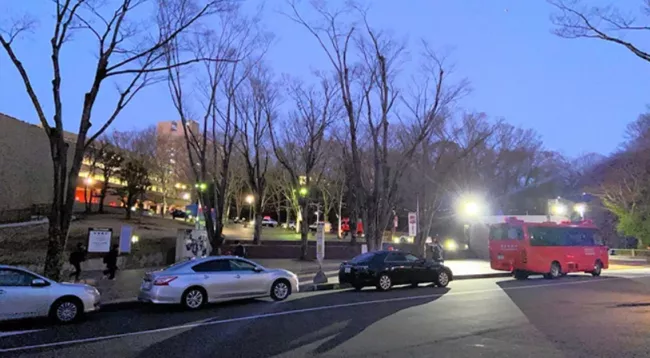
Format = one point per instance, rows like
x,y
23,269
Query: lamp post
x,y
249,200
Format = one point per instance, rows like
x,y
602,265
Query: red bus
x,y
548,248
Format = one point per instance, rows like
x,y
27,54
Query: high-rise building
x,y
174,128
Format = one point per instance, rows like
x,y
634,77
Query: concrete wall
x,y
479,230
25,170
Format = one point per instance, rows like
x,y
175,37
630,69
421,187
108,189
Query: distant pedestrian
x,y
111,262
240,250
437,253
76,258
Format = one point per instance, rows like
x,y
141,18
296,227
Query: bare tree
x,y
368,91
210,147
256,105
576,19
299,145
126,50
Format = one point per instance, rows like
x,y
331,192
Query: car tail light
x,y
164,280
524,256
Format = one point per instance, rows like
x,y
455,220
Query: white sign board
x,y
413,224
320,242
99,240
125,238
192,243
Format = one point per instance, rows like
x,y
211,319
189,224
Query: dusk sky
x,y
578,94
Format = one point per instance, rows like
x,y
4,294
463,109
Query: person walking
x,y
76,258
437,253
240,250
111,262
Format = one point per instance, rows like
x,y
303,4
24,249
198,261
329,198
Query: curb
x,y
311,287
127,303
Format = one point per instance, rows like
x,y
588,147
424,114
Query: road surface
x,y
576,316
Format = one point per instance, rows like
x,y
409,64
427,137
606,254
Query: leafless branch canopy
x,y
578,19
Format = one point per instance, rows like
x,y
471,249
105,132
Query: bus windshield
x,y
563,236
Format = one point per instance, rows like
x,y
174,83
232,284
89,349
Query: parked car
x,y
24,294
267,221
314,226
176,213
385,269
193,283
291,225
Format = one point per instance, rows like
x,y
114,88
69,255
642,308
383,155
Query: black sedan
x,y
385,269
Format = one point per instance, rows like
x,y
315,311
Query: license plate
x,y
348,270
146,285
500,257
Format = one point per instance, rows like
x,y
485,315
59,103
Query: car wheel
x,y
598,268
521,275
66,310
442,278
384,283
280,290
194,298
556,271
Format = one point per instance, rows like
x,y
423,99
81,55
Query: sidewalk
x,y
462,269
126,285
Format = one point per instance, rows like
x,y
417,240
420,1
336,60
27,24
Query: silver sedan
x,y
194,283
24,294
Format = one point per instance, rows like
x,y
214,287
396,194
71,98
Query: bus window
x,y
506,232
562,236
544,236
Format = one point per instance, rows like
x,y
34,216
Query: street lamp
x,y
89,181
304,191
559,209
186,196
250,199
580,209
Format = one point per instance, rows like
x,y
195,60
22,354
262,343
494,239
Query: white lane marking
x,y
298,311
14,333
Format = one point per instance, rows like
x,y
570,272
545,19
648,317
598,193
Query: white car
x,y
24,294
193,283
267,221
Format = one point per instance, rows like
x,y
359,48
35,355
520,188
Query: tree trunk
x,y
338,216
87,200
304,230
257,230
288,218
102,195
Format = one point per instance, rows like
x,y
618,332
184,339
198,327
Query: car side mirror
x,y
38,282
258,269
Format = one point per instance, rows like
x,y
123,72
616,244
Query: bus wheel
x,y
598,268
521,275
556,271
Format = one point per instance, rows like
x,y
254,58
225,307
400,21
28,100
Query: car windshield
x,y
363,258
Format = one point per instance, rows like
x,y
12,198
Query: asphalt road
x,y
576,316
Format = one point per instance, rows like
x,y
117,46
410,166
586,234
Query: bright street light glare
x,y
559,209
471,208
250,199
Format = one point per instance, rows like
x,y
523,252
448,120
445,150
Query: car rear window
x,y
363,258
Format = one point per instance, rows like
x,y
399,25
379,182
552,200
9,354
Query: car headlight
x,y
91,291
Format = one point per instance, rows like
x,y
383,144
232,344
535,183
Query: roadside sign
x,y
413,224
125,238
320,242
99,239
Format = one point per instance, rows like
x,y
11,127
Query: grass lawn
x,y
27,245
239,232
